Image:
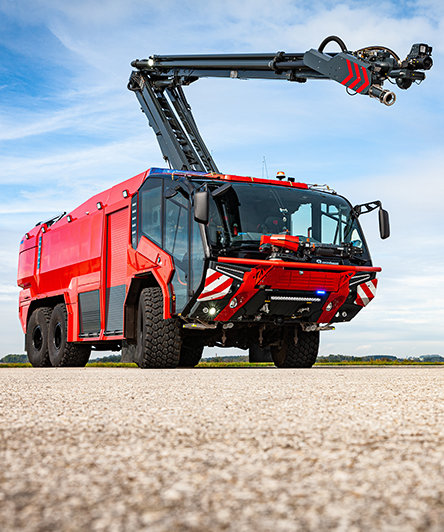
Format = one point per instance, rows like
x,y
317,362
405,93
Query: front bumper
x,y
247,290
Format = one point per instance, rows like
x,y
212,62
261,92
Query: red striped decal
x,y
212,278
367,291
358,79
366,82
349,77
226,284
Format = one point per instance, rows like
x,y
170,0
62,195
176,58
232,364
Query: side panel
x,y
117,234
26,267
89,313
68,251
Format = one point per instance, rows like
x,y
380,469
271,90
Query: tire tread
x,y
161,344
45,313
74,355
300,355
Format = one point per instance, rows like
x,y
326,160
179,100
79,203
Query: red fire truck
x,y
173,260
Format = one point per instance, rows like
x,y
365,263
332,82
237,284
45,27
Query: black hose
x,y
332,38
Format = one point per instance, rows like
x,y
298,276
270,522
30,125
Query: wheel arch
x,y
44,302
132,302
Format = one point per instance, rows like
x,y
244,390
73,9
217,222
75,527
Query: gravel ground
x,y
222,449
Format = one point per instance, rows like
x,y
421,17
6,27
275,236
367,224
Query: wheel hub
x,y
37,338
58,336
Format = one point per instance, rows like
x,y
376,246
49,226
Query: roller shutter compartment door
x,y
117,238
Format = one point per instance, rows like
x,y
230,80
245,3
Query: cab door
x,y
183,241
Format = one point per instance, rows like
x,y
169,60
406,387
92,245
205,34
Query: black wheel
x,y
158,340
297,355
190,354
256,353
61,352
37,337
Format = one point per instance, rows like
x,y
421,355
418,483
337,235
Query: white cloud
x,y
86,117
9,293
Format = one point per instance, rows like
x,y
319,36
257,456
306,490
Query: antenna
x,y
264,167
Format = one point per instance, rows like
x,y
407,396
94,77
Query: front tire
x,y
37,337
297,355
158,340
61,352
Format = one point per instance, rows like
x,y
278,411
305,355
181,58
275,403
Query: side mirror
x,y
384,223
201,206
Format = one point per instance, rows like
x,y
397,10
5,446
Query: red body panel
x,y
70,257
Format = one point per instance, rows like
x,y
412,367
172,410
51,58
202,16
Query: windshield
x,y
247,211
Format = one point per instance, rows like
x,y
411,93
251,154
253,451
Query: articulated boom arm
x,y
158,83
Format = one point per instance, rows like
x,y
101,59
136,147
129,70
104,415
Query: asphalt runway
x,y
115,449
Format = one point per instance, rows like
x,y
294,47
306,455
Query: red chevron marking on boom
x,y
358,79
366,82
349,77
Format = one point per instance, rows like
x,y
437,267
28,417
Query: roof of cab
x,y
227,177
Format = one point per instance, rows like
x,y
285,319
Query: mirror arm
x,y
369,207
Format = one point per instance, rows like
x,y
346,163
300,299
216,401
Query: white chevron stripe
x,y
217,295
213,286
371,286
363,296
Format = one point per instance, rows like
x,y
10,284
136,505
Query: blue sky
x,y
70,128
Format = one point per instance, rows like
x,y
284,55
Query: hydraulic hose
x,y
332,38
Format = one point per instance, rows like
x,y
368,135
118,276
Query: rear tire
x,y
36,339
158,340
256,353
300,355
61,352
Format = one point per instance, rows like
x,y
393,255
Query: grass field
x,y
204,364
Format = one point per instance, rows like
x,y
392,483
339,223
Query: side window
x,y
150,210
355,238
176,244
176,227
215,227
197,256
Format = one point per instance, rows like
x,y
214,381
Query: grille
x,y
287,279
